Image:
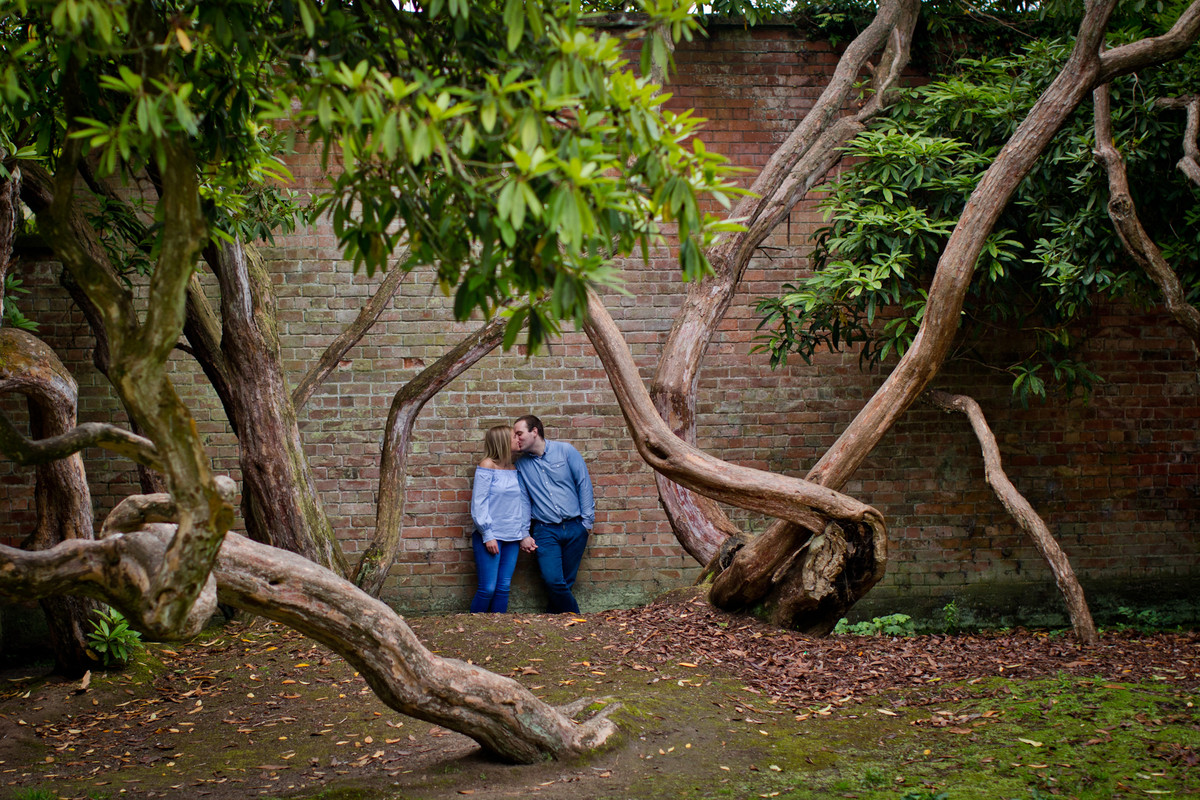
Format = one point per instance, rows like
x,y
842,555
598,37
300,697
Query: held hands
x,y
528,545
492,547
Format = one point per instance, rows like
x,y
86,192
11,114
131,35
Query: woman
x,y
500,510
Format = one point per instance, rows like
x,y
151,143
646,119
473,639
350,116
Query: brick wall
x,y
1115,477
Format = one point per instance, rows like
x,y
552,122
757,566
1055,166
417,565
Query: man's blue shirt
x,y
558,484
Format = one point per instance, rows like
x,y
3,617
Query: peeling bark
x,y
1025,515
1123,213
377,559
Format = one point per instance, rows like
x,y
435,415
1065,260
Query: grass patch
x,y
1010,740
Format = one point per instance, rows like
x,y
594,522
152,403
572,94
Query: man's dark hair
x,y
532,423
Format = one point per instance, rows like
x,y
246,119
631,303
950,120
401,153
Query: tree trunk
x,y
377,559
775,570
280,504
1025,515
63,501
790,572
139,349
792,582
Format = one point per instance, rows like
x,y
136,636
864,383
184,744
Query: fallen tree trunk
x,y
506,719
1025,515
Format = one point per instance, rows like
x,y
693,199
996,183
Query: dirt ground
x,y
711,706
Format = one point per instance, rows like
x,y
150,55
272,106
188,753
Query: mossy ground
x,y
253,710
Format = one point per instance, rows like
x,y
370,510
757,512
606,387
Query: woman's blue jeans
x,y
495,574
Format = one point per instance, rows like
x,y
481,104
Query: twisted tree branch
x,y
1121,209
1024,513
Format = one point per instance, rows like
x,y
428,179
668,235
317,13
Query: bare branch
x,y
1121,209
1024,514
367,317
377,559
1150,51
26,452
1190,163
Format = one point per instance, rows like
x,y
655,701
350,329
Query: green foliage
x,y
927,794
951,617
890,625
35,794
112,638
12,315
1053,253
504,143
1147,619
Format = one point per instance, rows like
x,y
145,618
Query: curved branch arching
x,y
1024,513
379,556
842,523
804,159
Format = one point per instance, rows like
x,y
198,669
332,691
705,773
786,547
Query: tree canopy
x,y
505,143
1052,254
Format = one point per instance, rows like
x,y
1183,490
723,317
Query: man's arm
x,y
583,488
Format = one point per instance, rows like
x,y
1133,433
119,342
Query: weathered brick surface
x,y
1115,477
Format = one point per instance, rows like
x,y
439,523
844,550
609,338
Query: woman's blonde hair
x,y
497,444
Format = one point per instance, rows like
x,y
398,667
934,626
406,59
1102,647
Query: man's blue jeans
x,y
560,548
495,574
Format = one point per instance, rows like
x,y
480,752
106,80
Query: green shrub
x,y
891,625
112,639
951,617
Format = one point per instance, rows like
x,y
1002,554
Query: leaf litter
x,y
256,708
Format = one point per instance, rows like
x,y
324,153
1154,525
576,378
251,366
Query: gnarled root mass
x,y
826,550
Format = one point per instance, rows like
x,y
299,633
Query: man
x,y
564,508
